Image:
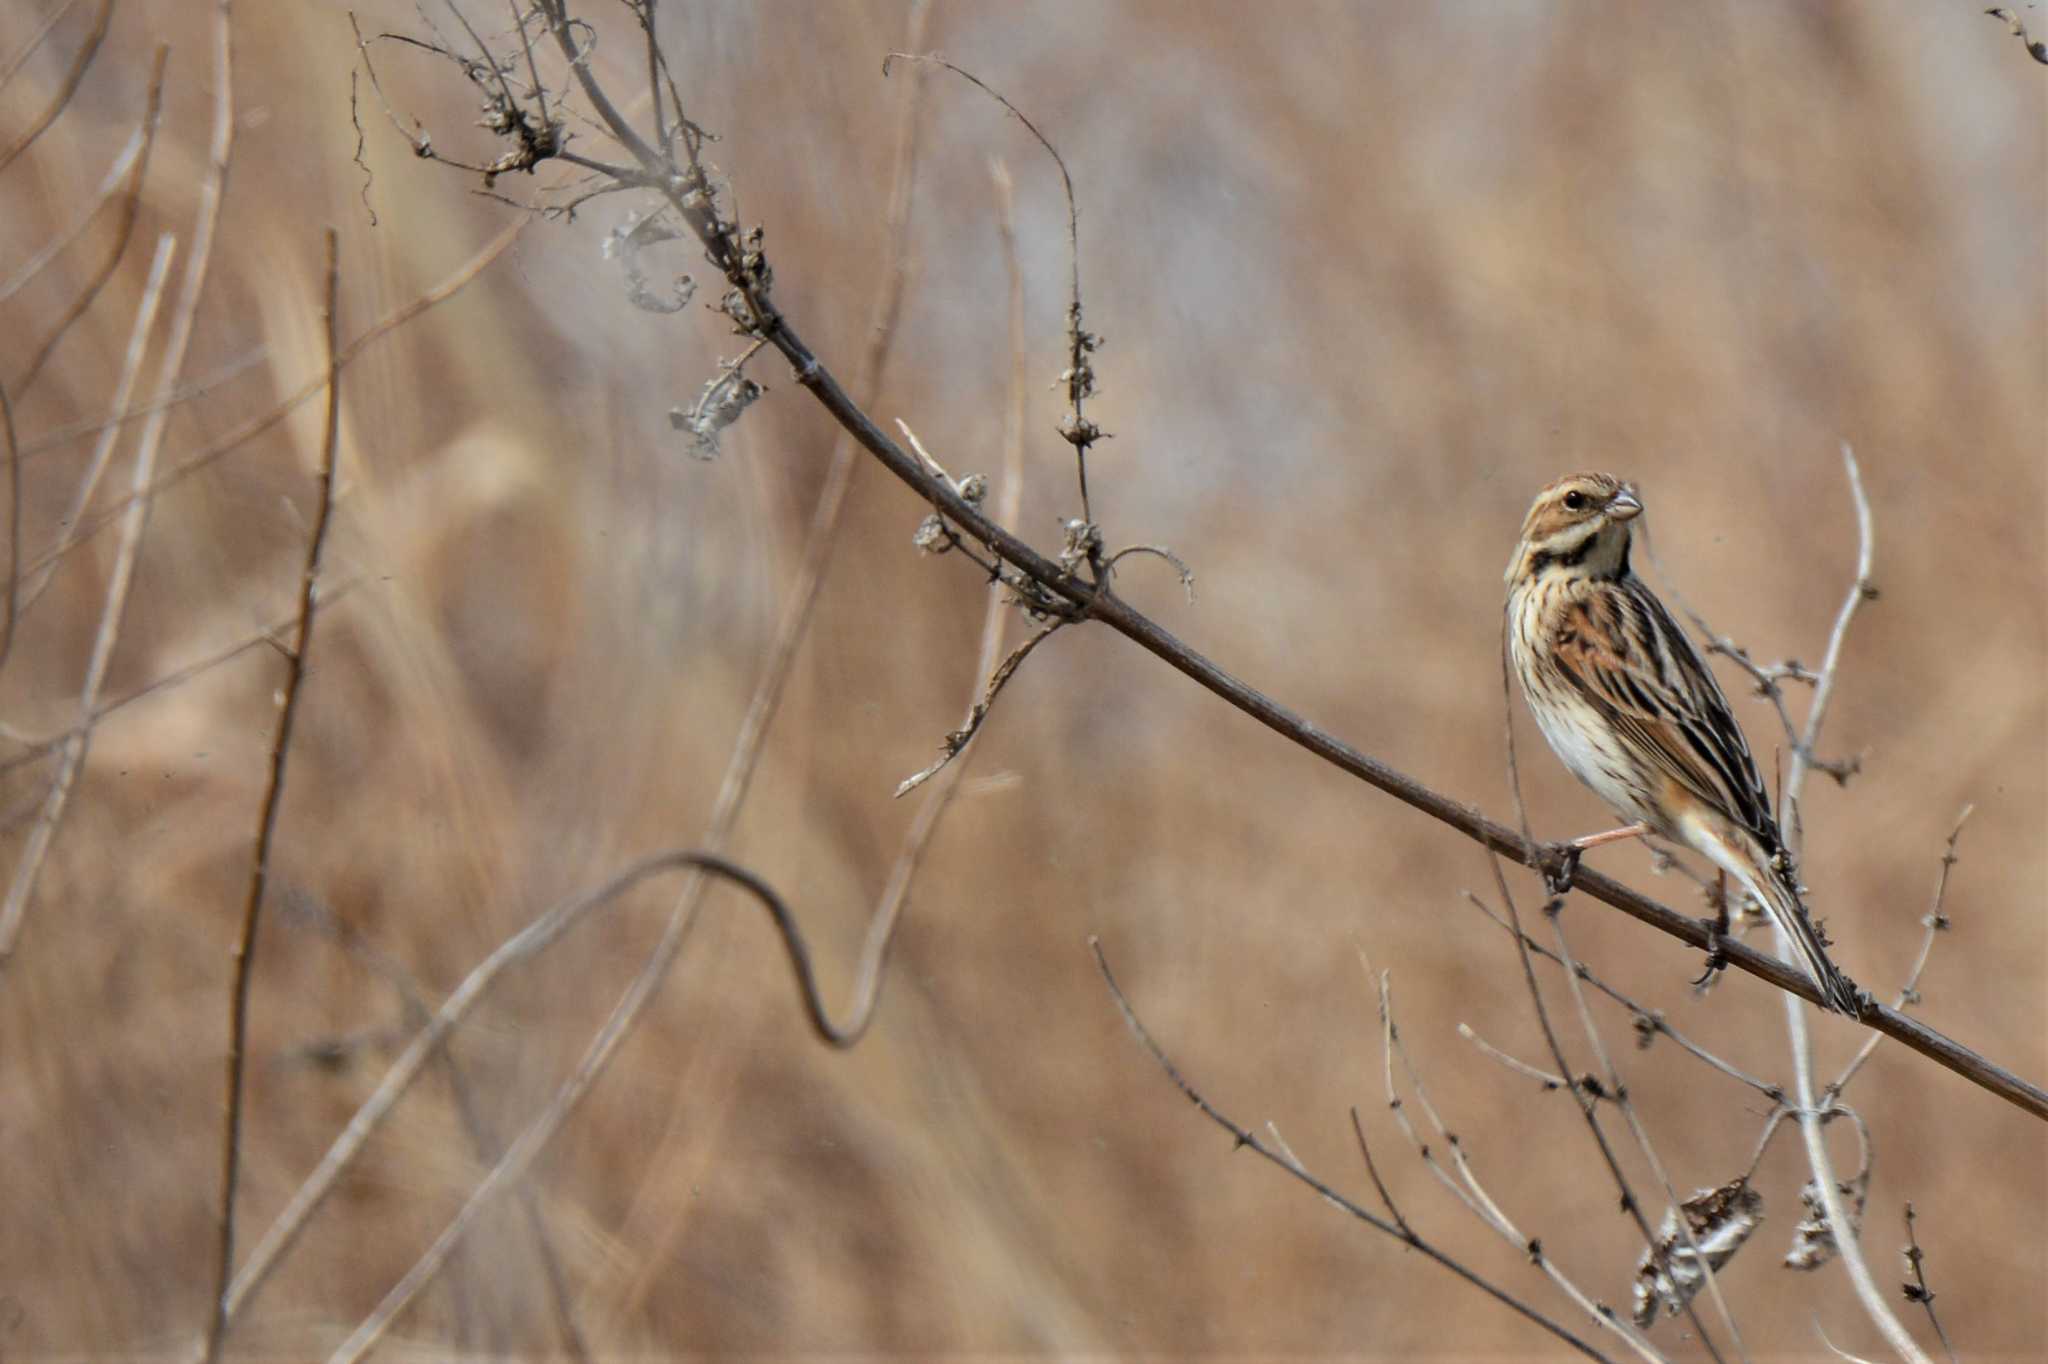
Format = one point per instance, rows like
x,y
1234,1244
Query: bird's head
x,y
1577,525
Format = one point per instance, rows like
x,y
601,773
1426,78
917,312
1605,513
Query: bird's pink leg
x,y
1636,830
1568,865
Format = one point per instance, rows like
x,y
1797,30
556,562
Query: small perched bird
x,y
1633,710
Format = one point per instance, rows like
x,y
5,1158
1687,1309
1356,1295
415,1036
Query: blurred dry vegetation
x,y
1369,275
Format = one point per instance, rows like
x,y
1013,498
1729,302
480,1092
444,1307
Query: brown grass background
x,y
1369,275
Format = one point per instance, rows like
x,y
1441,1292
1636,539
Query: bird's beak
x,y
1624,507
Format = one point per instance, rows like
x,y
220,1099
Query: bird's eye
x,y
1575,501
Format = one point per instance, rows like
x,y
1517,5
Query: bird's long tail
x,y
1837,992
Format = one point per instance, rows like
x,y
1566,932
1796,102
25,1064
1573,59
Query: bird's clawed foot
x,y
1558,880
1717,936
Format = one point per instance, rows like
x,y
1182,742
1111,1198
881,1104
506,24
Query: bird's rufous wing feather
x,y
1622,650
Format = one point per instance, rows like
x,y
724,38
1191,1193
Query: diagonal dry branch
x,y
685,187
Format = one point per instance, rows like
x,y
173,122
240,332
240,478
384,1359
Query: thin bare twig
x,y
747,746
1916,1290
39,748
297,907
132,364
13,606
1860,591
1079,378
255,426
1397,1229
539,934
131,153
536,1135
1372,1170
34,41
244,952
958,739
1648,1022
80,63
1545,1078
1467,1187
79,741
1583,1096
57,437
1937,923
1811,1113
1617,1091
183,316
124,232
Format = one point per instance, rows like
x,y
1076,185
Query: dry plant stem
x,y
1470,1191
13,605
1918,1291
1936,923
917,839
131,209
72,756
745,759
134,150
1545,1078
72,78
136,514
1812,1115
1644,1018
244,952
35,40
38,748
1847,1243
255,426
1618,1092
59,436
1824,688
1079,377
483,1141
978,709
1102,604
103,448
1398,1228
542,932
531,1141
1581,1098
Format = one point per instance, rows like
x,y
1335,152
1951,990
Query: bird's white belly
x,y
1584,746
1584,743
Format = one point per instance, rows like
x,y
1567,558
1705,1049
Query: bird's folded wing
x,y
1626,655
